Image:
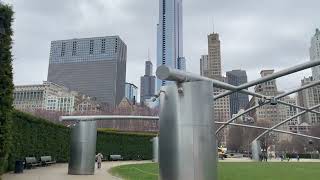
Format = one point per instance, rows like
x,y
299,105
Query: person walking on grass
x,y
99,158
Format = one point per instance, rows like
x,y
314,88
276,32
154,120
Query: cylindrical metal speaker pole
x,y
256,150
187,144
83,148
155,144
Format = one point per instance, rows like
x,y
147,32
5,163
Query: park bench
x,y
115,157
31,162
46,160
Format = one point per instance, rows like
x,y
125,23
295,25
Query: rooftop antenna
x,y
213,26
148,54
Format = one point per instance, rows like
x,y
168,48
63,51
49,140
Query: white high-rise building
x,y
170,44
315,54
204,65
308,98
53,97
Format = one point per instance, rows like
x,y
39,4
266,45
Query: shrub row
x,y
303,156
130,146
33,136
6,84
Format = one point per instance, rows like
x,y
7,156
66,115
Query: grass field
x,y
232,171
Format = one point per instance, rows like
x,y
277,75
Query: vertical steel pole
x,y
83,148
155,143
187,143
256,150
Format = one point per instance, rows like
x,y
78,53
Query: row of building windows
x,y
91,47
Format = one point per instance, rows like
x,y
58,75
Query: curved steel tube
x,y
108,117
224,124
275,130
171,74
273,76
268,100
282,122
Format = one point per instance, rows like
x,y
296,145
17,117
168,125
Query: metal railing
x,y
268,100
148,118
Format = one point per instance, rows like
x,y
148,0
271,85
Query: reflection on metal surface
x,y
155,144
83,148
256,150
187,143
274,130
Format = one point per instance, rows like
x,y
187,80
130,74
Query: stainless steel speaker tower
x,y
188,149
256,150
83,148
155,148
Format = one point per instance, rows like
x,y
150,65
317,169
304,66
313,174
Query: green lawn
x,y
232,171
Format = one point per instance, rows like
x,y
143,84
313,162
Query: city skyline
x,y
242,33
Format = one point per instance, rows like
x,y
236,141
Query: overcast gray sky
x,y
254,34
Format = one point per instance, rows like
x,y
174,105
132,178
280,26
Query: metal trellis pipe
x,y
275,130
275,75
283,122
268,101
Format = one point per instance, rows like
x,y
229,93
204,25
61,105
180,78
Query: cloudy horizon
x,y
254,35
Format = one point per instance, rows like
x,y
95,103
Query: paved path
x,y
59,172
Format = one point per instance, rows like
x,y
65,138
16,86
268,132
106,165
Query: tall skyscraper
x,y
237,100
131,92
148,68
211,68
214,56
315,54
269,113
169,38
147,86
204,61
308,98
93,66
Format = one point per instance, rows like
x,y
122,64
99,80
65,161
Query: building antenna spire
x,y
148,54
213,26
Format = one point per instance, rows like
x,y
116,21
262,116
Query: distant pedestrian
x,y
99,158
298,157
266,157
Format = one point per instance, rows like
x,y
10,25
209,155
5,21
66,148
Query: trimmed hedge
x,y
6,84
33,136
129,146
303,156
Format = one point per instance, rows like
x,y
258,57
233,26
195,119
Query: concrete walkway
x,y
60,172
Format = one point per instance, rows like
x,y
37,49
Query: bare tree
x,y
264,140
235,138
315,131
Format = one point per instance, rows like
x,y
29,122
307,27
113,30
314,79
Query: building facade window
x,y
103,46
63,48
91,46
74,48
